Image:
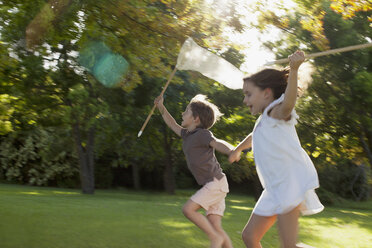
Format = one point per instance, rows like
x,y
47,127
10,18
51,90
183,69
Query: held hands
x,y
234,156
296,59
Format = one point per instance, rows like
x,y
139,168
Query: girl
x,y
285,170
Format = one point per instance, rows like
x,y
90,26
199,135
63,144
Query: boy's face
x,y
254,97
188,119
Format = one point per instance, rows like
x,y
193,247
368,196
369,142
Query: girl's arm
x,y
222,146
283,111
168,119
245,144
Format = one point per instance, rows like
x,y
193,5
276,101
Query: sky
x,y
255,54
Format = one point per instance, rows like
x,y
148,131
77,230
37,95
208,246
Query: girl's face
x,y
188,120
254,97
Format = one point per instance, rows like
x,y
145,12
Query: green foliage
x,y
328,198
37,157
344,179
52,90
5,112
45,93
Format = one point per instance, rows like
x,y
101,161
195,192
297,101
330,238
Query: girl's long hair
x,y
270,78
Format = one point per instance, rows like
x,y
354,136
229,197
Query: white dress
x,y
286,172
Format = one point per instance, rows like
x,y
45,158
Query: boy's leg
x,y
190,210
288,228
255,229
215,220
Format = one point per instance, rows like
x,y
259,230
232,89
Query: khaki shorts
x,y
212,196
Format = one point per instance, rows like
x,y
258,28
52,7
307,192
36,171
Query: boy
x,y
198,146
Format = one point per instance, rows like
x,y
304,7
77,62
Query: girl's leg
x,y
190,210
288,228
215,220
255,229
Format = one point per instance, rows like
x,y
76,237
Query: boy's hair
x,y
208,112
270,78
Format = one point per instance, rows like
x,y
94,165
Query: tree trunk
x,y
365,145
86,159
136,176
168,175
369,138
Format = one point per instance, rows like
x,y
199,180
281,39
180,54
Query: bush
x,y
328,198
37,157
345,179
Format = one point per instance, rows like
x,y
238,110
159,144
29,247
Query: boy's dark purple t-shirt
x,y
200,156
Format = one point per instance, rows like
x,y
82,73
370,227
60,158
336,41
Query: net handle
x,y
328,52
153,108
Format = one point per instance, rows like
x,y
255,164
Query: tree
x,y
56,92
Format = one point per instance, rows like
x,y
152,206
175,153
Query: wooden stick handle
x,y
332,51
153,108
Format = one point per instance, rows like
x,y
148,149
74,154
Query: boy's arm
x,y
245,144
222,146
284,110
167,117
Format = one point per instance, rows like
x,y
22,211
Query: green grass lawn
x,y
34,217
